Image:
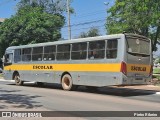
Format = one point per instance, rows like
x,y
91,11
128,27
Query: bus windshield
x,y
138,46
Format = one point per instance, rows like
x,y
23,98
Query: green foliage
x,y
91,33
49,6
83,35
156,70
1,75
157,60
30,25
135,16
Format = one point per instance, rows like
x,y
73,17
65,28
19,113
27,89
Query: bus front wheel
x,y
67,83
17,79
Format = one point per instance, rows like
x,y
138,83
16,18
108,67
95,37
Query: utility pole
x,y
69,23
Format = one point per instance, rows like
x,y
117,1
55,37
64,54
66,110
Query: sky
x,y
92,12
88,13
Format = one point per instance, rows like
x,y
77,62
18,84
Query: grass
x,y
1,76
156,70
156,75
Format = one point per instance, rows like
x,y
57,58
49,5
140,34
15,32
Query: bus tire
x,y
67,83
17,79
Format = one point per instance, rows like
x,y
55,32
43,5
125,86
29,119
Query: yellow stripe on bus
x,y
115,67
66,67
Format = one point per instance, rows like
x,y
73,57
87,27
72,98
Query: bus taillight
x,y
124,68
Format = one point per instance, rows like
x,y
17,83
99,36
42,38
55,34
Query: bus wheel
x,y
17,79
67,83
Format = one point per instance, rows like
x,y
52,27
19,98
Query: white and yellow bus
x,y
119,59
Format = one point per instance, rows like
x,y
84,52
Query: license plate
x,y
138,75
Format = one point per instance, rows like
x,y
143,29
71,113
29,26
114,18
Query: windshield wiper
x,y
139,54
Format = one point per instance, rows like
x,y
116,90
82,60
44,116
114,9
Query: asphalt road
x,y
52,98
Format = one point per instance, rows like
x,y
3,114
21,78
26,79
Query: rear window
x,y
138,45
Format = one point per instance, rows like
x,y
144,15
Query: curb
x,y
12,81
7,80
157,93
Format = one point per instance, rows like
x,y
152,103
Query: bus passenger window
x,y
96,50
63,52
49,53
37,53
79,51
26,54
111,51
17,55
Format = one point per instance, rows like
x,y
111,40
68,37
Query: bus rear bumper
x,y
136,81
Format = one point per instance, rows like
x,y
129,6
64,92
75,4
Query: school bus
x,y
118,59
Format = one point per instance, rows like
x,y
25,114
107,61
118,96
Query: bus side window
x,y
17,55
96,50
63,52
79,51
49,53
37,53
26,54
111,51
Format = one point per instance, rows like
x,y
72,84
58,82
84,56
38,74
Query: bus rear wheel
x,y
67,83
17,79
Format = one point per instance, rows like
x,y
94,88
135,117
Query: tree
x,y
49,6
135,16
83,35
30,25
91,33
157,60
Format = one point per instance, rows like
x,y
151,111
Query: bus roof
x,y
73,41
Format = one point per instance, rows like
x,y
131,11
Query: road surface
x,y
51,97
